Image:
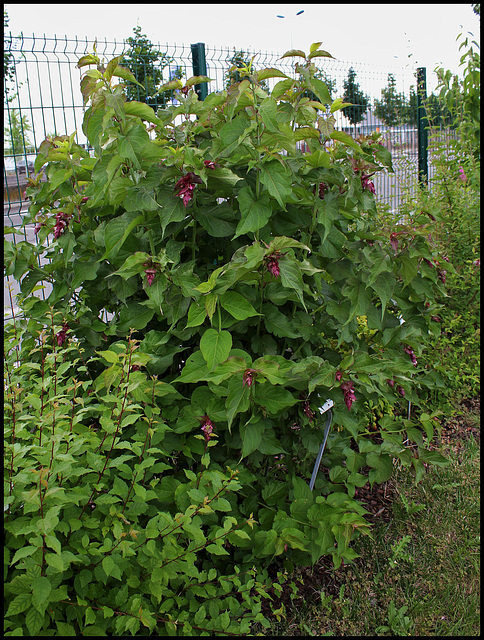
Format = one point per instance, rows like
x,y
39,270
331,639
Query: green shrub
x,y
168,470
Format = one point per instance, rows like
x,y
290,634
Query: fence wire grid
x,y
42,97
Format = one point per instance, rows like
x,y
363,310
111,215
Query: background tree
x,y
392,108
147,65
8,59
15,138
353,94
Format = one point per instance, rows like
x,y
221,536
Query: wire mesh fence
x,y
42,97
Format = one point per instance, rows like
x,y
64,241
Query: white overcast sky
x,y
379,34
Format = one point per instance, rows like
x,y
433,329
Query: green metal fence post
x,y
423,167
199,64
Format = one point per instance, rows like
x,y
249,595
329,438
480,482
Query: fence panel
x,y
44,98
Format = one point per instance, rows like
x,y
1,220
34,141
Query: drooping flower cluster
x,y
150,275
323,188
61,221
185,186
207,427
248,377
462,175
409,351
307,410
349,393
367,184
62,335
272,263
338,376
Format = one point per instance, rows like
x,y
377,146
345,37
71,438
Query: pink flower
x,y
394,242
207,427
272,264
62,220
150,275
391,383
462,175
409,351
338,375
62,335
367,184
323,188
185,186
307,410
349,393
209,164
248,378
477,263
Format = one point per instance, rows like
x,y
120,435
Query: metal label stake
x,y
325,408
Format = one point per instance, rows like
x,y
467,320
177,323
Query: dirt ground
x,y
378,501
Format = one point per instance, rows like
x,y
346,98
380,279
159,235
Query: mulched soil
x,y
310,581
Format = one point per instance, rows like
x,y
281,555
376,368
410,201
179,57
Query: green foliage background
x,y
212,286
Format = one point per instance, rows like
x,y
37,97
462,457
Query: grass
x,y
419,575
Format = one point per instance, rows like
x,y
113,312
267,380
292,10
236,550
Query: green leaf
x,y
292,53
277,180
34,621
108,566
319,52
58,177
273,398
237,399
268,113
131,145
23,553
346,139
142,110
196,315
231,134
172,209
291,277
134,316
255,213
281,88
237,305
117,231
215,347
382,467
319,87
277,322
433,457
409,268
19,604
197,80
270,72
339,104
384,286
251,434
41,588
360,298
55,561
125,74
